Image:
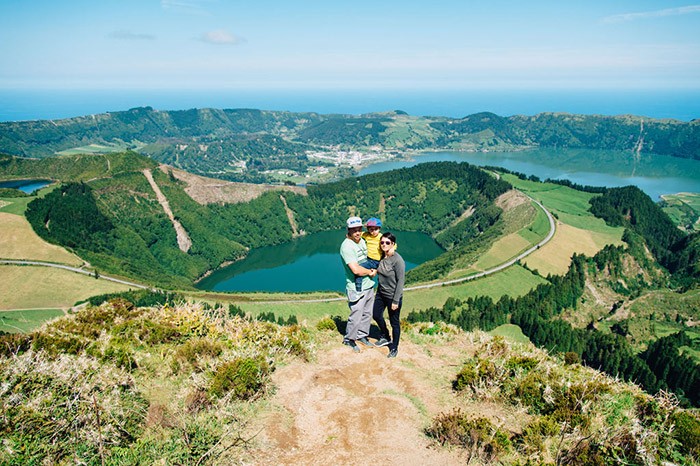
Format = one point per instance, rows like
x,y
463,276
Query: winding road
x,y
72,269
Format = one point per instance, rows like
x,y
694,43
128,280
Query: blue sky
x,y
339,44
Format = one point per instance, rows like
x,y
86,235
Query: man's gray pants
x,y
360,316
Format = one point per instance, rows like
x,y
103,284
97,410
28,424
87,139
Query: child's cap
x,y
374,222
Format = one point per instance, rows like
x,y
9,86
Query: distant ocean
x,y
55,104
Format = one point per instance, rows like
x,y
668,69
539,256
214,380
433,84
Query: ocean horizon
x,y
45,104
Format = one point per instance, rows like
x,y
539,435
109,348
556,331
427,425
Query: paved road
x,y
72,269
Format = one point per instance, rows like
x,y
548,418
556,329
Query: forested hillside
x,y
244,144
652,241
118,225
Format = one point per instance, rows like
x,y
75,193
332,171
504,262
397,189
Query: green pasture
x,y
26,320
684,209
17,205
512,332
539,228
514,281
96,149
568,205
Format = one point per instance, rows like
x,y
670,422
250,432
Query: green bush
x,y
687,432
474,372
478,435
14,343
243,378
326,324
194,350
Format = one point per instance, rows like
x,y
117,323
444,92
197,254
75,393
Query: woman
x,y
390,273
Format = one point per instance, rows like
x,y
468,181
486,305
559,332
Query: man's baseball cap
x,y
354,222
374,222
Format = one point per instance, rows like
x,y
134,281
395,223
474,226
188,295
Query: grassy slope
x,y
577,229
18,241
26,320
684,209
44,287
166,401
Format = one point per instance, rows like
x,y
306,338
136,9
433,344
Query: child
x,y
374,254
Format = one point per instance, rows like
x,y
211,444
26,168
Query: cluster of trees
x,y
632,208
679,371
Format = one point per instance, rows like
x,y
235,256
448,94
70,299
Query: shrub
x,y
120,356
571,358
14,343
243,378
687,432
475,372
326,324
478,435
523,363
234,311
192,351
56,344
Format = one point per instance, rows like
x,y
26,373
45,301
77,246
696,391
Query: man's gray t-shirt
x,y
351,251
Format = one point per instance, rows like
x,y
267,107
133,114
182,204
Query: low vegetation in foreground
x,y
182,383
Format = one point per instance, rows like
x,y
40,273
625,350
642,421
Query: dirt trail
x,y
183,240
362,408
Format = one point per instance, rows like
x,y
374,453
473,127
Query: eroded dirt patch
x,y
212,191
360,408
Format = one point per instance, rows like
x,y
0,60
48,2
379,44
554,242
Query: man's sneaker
x,y
352,344
366,342
381,342
393,353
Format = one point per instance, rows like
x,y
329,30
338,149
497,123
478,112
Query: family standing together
x,y
367,255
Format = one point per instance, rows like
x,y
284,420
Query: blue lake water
x,y
654,174
27,186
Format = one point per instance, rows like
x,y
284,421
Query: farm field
x,y
32,287
577,229
18,241
684,209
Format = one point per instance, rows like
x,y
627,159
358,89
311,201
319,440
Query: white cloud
x,y
128,35
221,37
684,10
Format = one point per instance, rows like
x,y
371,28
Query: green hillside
x,y
118,225
249,145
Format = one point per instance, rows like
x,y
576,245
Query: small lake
x,y
308,263
26,186
653,174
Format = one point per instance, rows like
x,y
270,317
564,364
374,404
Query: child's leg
x,y
358,278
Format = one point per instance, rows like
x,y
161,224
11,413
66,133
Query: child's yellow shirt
x,y
373,251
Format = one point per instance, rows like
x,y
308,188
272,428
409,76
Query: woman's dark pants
x,y
380,304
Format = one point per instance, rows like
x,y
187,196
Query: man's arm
x,y
360,271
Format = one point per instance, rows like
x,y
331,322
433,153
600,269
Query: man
x,y
353,251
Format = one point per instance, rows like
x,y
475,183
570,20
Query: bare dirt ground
x,y
183,239
211,191
346,408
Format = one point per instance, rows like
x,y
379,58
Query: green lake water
x,y
309,263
